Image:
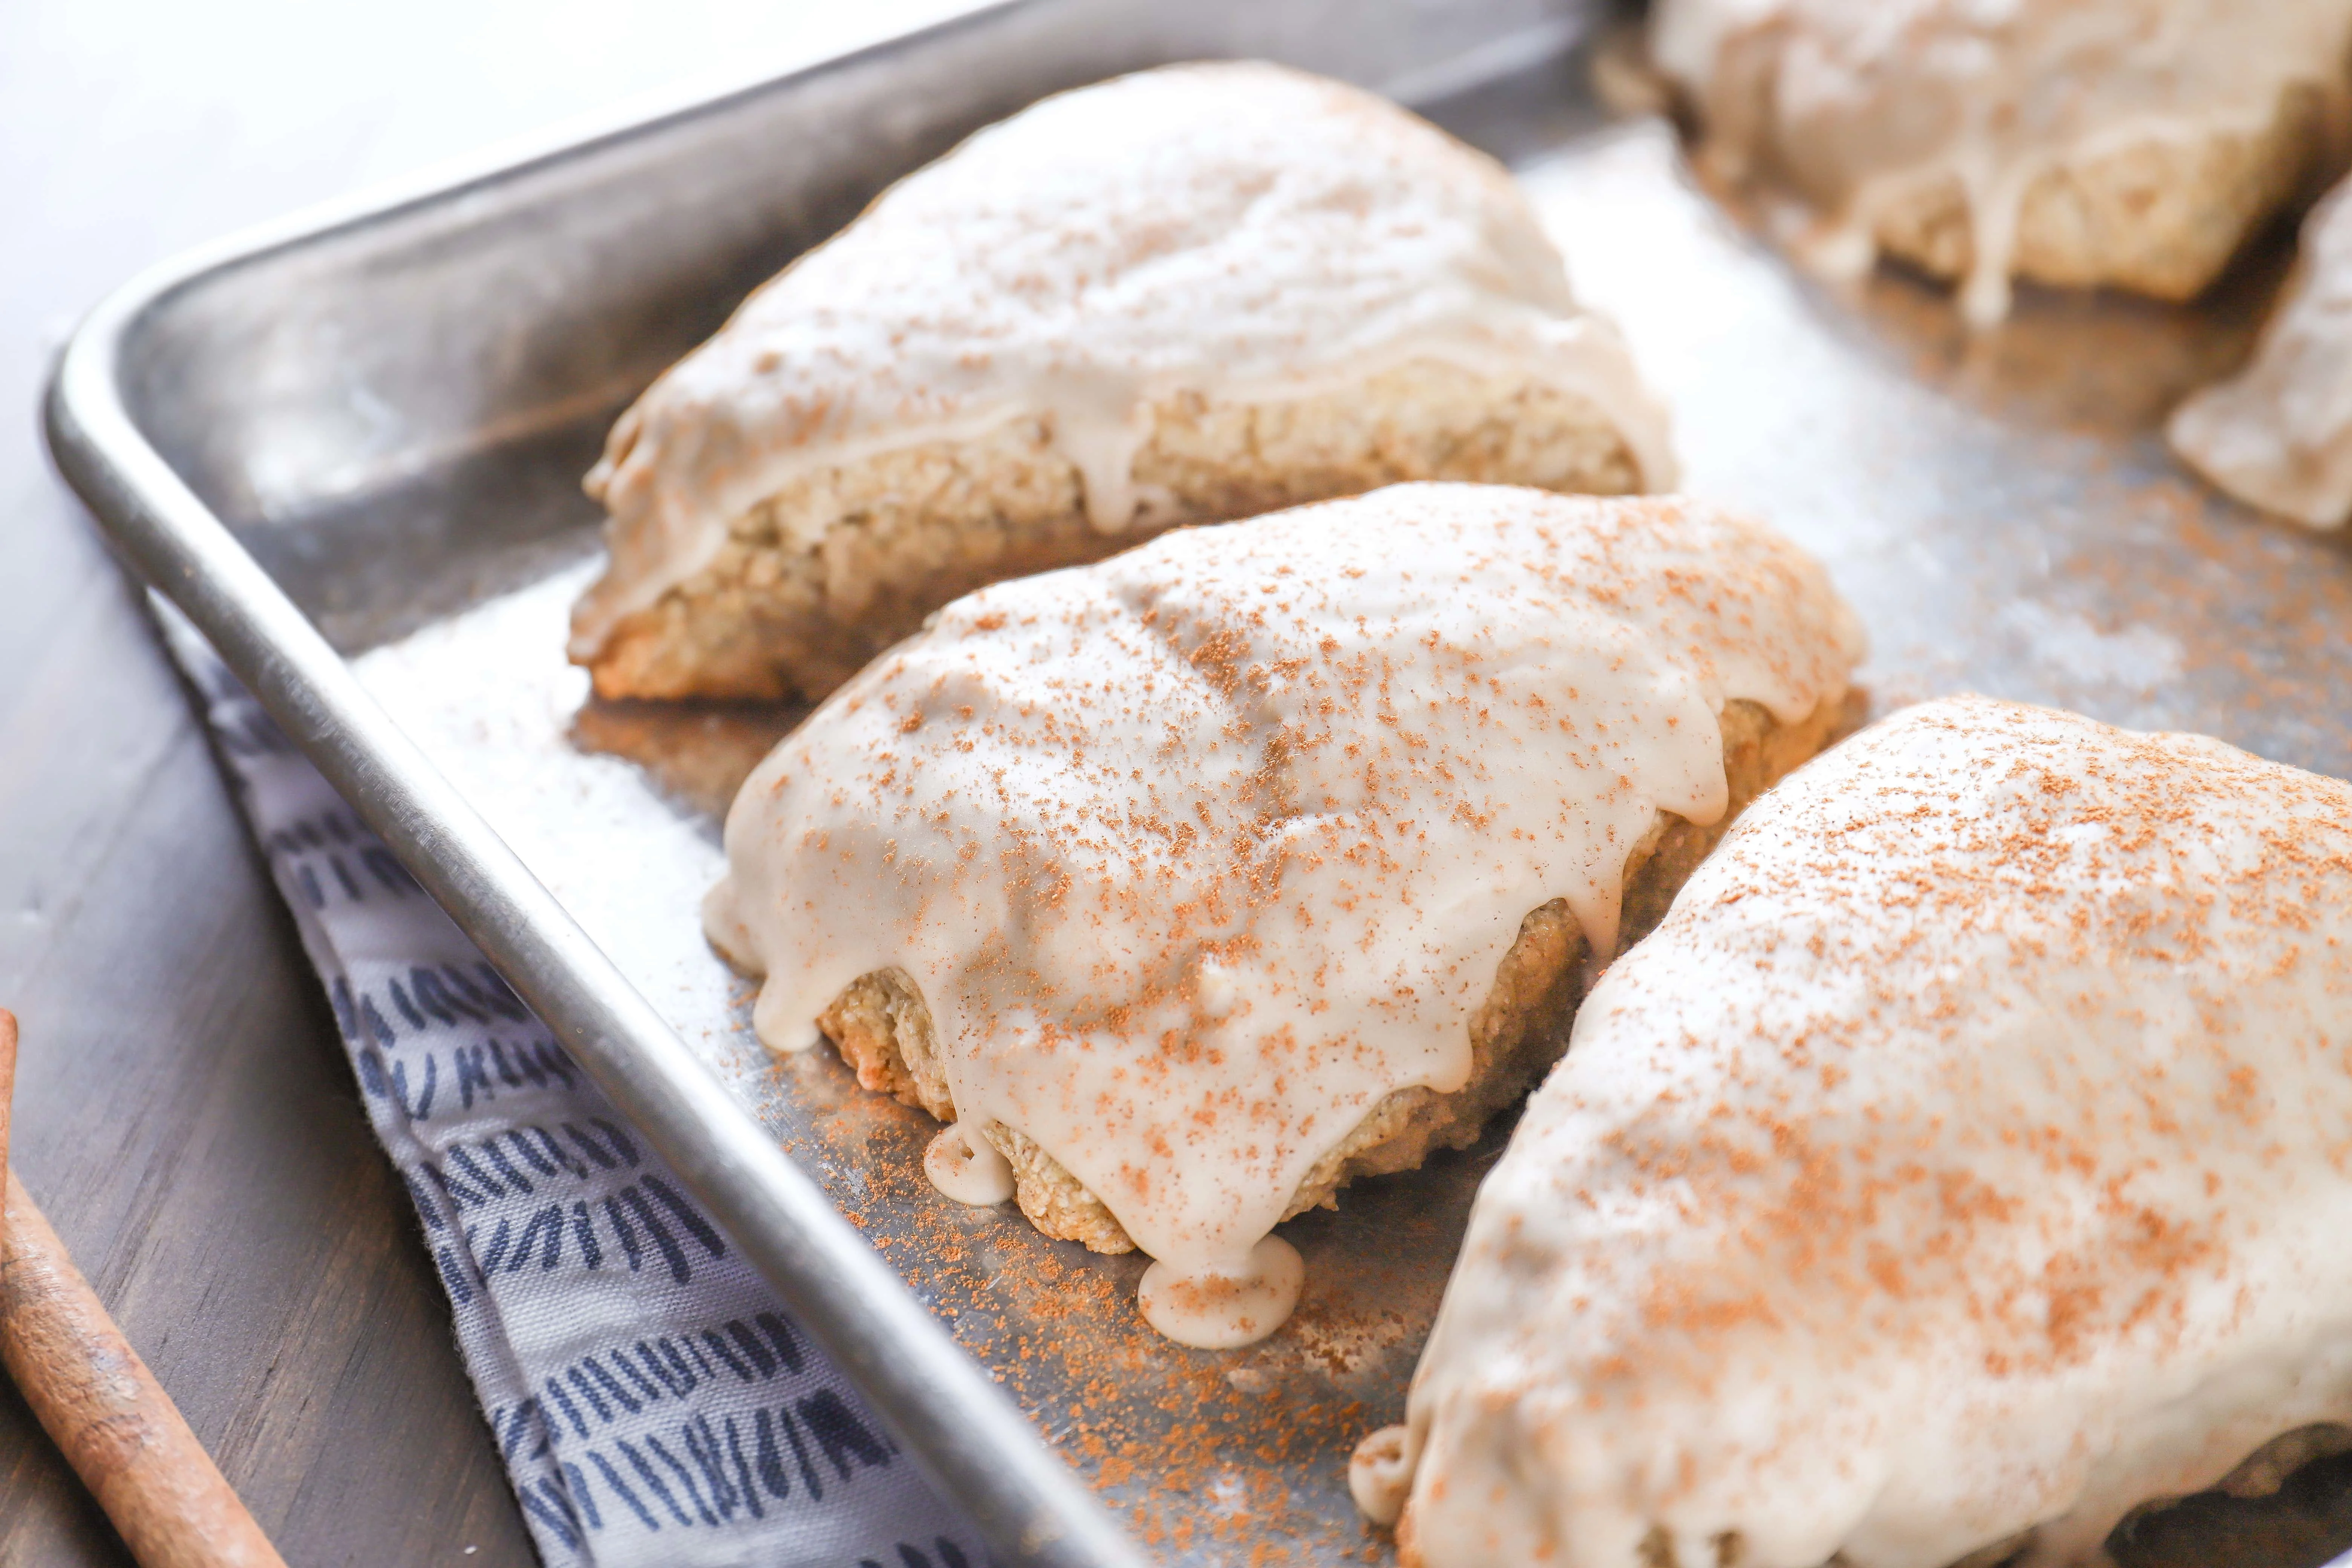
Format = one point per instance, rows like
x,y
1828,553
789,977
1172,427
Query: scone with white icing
x,y
1191,884
1193,294
1965,1160
2078,142
2278,434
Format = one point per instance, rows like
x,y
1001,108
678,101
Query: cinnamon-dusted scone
x,y
1965,1159
1193,884
1191,294
2077,142
2278,434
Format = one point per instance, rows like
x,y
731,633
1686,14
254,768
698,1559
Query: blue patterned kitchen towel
x,y
652,1401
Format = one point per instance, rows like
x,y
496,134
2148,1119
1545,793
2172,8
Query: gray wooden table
x,y
183,1108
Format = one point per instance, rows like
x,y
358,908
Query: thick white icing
x,y
1380,1474
1864,101
2279,434
968,1168
1198,853
1214,1310
1970,1150
1237,230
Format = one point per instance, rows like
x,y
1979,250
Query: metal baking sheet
x,y
1998,506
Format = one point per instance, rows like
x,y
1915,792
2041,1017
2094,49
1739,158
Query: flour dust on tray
x,y
1964,1161
1184,296
1192,885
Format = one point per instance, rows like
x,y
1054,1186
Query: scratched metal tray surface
x,y
1998,506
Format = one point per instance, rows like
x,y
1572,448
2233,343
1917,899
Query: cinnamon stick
x,y
97,1399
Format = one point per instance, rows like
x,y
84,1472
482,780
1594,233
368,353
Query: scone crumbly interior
x,y
818,578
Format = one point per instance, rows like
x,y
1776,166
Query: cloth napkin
x,y
651,1400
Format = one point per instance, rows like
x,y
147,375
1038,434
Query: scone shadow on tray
x,y
2000,509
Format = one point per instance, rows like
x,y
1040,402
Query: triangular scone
x,y
1261,857
1967,1153
2078,142
2278,434
1194,294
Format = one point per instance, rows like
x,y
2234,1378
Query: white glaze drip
x,y
1861,103
2278,434
1212,1310
1237,230
1380,1474
966,1167
1969,1152
1197,854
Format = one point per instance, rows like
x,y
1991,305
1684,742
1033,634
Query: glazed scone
x,y
1193,884
1193,294
1965,1160
883,1030
2278,434
2078,142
